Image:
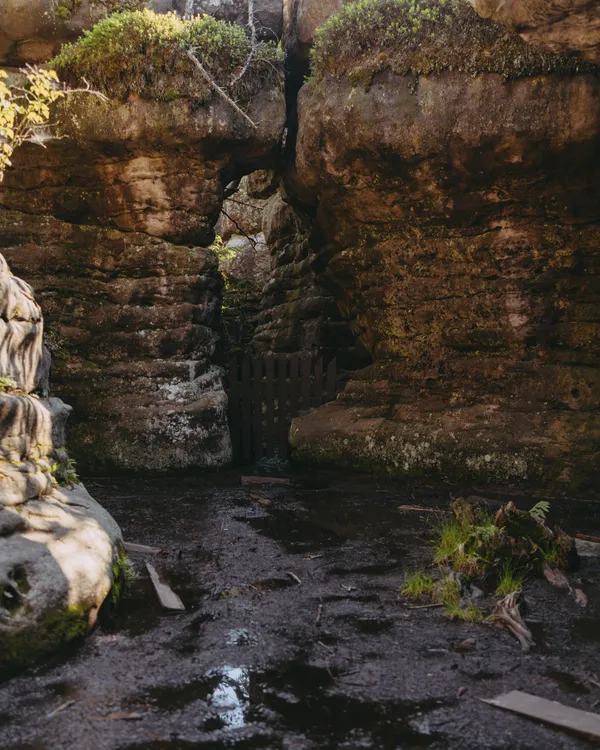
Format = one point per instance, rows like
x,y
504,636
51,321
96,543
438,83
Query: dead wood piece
x,y
60,709
294,577
133,547
260,499
585,548
166,596
265,480
507,613
319,614
588,538
580,597
551,712
556,577
416,509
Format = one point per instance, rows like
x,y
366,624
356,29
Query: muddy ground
x,y
248,665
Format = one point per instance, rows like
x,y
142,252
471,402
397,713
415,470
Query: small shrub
x,y
417,585
145,53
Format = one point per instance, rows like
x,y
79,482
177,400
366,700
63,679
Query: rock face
x,y
299,315
32,31
571,26
110,224
460,225
59,550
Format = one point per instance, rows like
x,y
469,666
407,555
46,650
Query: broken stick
x,y
166,596
550,712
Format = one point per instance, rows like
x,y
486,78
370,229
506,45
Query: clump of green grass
x,y
425,36
145,53
511,579
417,585
467,613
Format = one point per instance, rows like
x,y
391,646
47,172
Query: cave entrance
x,y
266,393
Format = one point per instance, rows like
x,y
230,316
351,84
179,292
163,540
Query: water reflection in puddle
x,y
230,695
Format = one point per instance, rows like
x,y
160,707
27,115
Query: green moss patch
x,y
426,36
144,53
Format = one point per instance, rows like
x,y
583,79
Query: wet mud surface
x,y
338,660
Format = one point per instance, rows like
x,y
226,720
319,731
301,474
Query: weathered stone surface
x,y
56,568
571,26
108,225
32,31
459,224
59,550
301,18
300,315
131,321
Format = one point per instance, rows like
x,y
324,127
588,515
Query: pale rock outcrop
x,y
60,552
568,26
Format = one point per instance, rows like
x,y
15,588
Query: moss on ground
x,y
144,53
426,36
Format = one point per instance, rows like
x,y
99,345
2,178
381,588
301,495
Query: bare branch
x,y
252,241
253,41
218,89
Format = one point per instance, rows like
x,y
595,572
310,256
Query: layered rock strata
x,y
60,552
111,224
455,172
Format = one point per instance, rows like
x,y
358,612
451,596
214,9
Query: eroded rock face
x,y
109,225
460,225
59,550
299,315
32,31
571,26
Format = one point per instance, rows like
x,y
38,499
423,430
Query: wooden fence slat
x,y
246,411
257,407
294,385
270,404
234,407
318,384
331,378
282,411
306,368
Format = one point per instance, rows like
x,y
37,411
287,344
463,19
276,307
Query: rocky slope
x,y
453,170
111,223
60,552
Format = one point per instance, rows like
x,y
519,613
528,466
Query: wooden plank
x,y
257,407
133,547
305,387
249,481
550,712
166,596
331,380
318,383
270,407
282,411
294,385
246,422
234,407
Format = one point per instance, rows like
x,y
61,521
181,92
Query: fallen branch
x,y
507,613
218,89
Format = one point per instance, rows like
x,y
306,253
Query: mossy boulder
x,y
425,36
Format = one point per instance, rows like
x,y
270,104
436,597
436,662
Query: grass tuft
x,y
417,585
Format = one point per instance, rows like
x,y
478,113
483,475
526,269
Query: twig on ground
x,y
319,615
294,577
60,709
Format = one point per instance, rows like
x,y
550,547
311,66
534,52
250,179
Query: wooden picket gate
x,y
266,393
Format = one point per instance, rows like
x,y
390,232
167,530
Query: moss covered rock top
x,y
143,53
425,36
